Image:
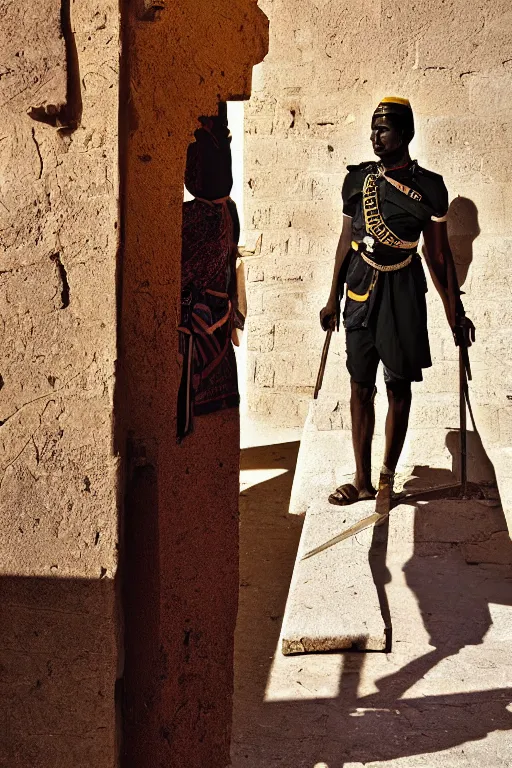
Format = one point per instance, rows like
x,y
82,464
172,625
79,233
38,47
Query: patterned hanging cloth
x,y
209,306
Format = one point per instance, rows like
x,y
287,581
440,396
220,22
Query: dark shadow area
x,y
479,466
57,656
463,229
480,470
65,117
377,559
460,564
278,456
141,600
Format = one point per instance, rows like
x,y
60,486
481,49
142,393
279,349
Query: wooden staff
x,y
321,370
464,377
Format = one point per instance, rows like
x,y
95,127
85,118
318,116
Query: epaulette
x,y
424,172
366,166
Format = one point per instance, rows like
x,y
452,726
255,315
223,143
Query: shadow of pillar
x,y
57,643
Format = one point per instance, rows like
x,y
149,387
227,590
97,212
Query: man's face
x,y
385,138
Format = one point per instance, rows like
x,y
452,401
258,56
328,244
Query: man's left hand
x,y
464,332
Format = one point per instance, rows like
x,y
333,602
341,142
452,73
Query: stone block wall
x,y
328,66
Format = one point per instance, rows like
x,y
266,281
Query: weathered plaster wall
x,y
328,66
182,501
58,486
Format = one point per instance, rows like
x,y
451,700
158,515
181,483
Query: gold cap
x,y
396,100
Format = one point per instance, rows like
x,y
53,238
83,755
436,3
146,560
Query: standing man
x,y
387,205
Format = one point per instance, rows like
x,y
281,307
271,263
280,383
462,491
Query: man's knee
x,y
363,391
399,391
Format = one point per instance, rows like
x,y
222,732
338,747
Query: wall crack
x,y
38,150
63,278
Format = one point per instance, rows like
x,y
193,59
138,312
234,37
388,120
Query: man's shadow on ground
x,y
453,598
460,565
458,532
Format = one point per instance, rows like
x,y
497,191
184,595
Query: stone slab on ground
x,y
430,456
324,462
333,602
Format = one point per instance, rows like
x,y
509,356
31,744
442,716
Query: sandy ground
x,y
441,697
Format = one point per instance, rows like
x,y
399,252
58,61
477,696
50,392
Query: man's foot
x,y
348,494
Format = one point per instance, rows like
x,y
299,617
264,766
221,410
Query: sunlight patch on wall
x,y
236,126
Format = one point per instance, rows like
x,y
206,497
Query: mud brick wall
x,y
328,66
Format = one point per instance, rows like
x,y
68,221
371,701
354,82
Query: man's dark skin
x,y
393,151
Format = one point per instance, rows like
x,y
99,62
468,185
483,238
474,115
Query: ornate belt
x,y
380,267
387,267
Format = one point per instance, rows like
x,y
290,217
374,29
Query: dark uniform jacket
x,y
395,310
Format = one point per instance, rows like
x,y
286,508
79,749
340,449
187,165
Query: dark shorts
x,y
363,358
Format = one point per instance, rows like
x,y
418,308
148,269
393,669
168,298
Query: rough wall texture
x,y
182,501
328,66
58,505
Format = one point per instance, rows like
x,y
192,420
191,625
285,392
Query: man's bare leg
x,y
397,421
362,411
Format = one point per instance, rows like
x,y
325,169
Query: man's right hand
x,y
328,316
464,332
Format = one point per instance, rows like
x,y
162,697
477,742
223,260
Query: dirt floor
x,y
442,696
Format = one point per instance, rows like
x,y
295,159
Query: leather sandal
x,y
347,494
